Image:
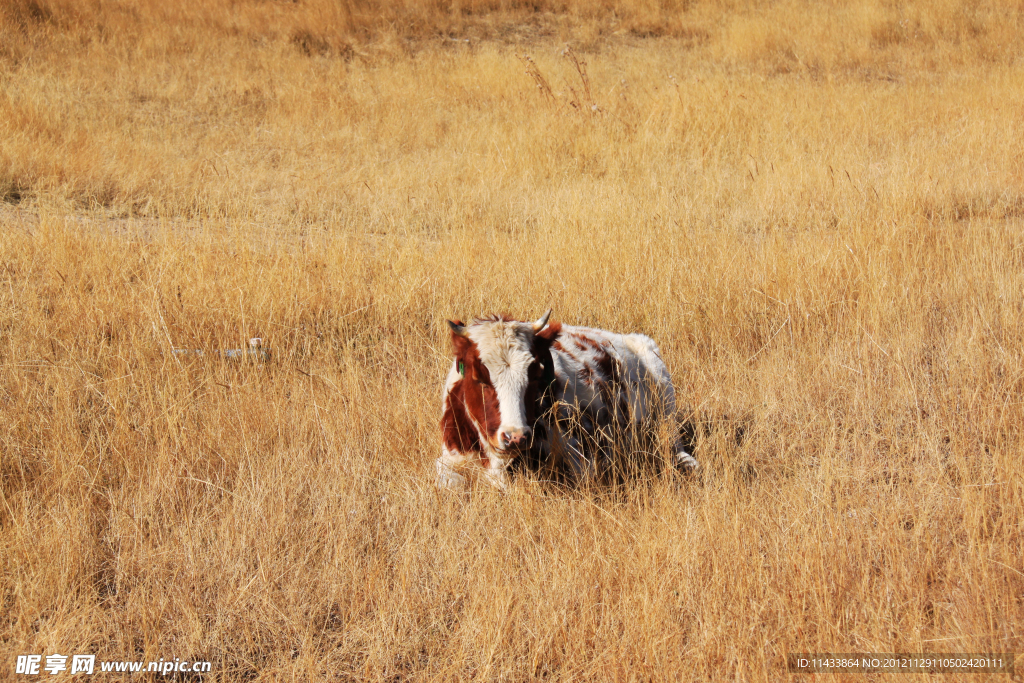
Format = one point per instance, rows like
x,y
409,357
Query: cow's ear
x,y
551,331
460,337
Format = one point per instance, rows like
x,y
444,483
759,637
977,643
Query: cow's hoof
x,y
686,462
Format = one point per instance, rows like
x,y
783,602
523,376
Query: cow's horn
x,y
458,329
539,325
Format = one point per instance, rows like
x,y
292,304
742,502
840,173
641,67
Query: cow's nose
x,y
518,437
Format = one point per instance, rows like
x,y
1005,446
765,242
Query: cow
x,y
551,397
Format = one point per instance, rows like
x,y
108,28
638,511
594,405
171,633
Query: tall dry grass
x,y
815,209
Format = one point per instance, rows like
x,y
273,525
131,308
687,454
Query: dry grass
x,y
814,209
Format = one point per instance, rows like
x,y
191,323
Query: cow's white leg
x,y
496,473
682,459
447,476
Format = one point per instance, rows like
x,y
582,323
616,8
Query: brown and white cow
x,y
545,393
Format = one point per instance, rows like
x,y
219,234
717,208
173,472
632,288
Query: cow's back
x,y
587,359
607,386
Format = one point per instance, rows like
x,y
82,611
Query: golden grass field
x,y
816,209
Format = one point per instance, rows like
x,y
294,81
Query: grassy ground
x,y
816,210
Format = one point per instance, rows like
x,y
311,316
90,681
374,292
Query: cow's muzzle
x,y
514,438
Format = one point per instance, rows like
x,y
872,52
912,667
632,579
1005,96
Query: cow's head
x,y
502,363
